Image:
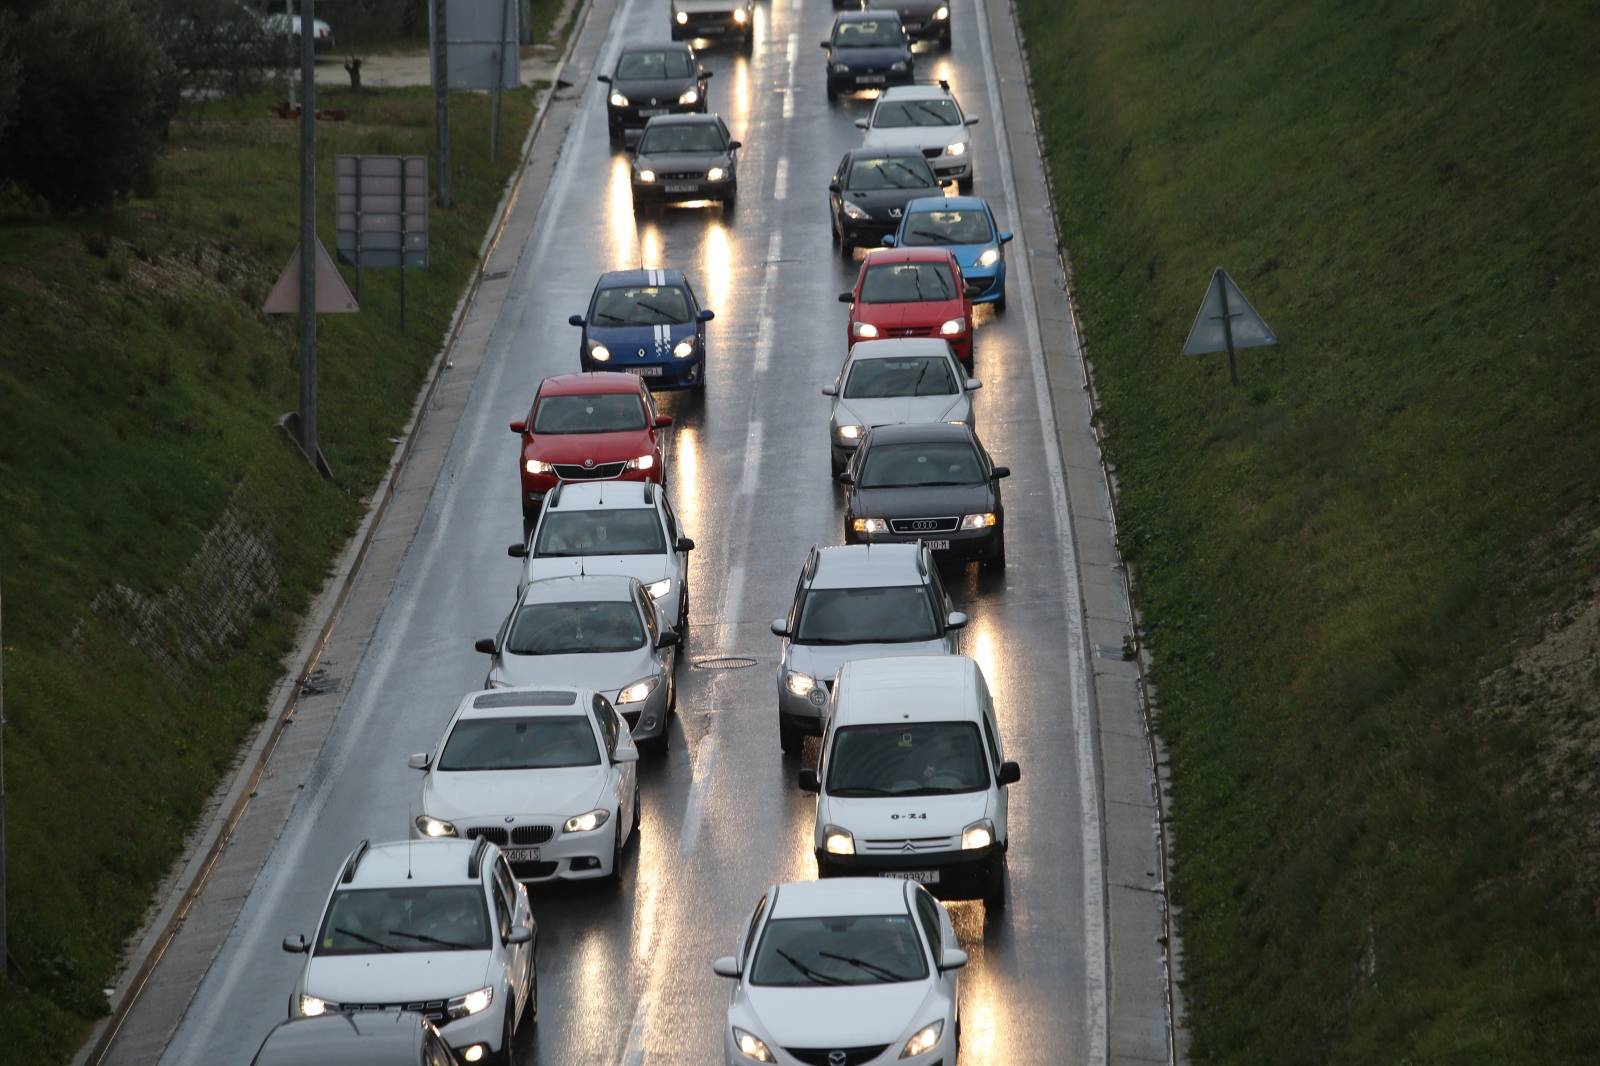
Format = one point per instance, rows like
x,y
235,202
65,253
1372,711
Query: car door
x,y
515,896
511,960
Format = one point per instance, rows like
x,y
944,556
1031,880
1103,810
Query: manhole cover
x,y
728,662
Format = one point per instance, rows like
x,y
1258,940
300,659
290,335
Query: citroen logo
x,y
908,846
837,1058
588,464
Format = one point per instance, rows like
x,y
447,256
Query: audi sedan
x,y
651,80
686,157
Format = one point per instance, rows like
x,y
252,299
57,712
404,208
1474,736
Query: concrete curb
x,y
234,796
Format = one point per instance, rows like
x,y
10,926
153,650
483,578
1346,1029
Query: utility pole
x,y
441,97
308,232
3,955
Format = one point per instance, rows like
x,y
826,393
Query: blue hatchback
x,y
966,226
646,322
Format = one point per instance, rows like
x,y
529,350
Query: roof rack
x,y
554,498
352,862
650,492
475,860
943,83
923,552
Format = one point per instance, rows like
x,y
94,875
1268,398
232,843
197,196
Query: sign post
x,y
381,214
308,231
1226,321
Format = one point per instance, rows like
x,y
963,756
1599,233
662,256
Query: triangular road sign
x,y
333,295
1223,297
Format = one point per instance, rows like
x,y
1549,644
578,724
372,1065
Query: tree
x,y
213,47
10,73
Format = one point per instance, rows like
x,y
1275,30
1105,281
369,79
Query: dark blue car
x,y
646,322
867,50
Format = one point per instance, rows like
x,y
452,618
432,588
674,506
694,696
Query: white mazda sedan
x,y
847,972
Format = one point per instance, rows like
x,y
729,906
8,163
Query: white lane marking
x,y
791,57
1094,893
780,179
633,1054
764,338
752,456
731,594
705,757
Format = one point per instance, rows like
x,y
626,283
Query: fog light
x,y
474,1053
649,722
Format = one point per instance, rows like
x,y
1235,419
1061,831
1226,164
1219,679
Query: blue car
x,y
966,226
867,50
646,322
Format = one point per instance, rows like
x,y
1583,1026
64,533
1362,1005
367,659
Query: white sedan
x,y
853,970
925,117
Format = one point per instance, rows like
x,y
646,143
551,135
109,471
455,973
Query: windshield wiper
x,y
871,967
930,234
807,972
920,183
611,317
671,319
426,939
862,790
938,116
353,935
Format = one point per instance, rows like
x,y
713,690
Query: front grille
x,y
933,153
683,175
597,472
494,834
982,285
531,834
826,1056
910,846
432,1009
532,871
913,526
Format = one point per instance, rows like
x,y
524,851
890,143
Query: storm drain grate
x,y
726,662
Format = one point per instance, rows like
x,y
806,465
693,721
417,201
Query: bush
x,y
212,48
10,70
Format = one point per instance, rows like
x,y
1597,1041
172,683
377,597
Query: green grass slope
x,y
1374,853
139,390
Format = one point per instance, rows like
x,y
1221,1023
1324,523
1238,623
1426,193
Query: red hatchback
x,y
589,427
911,292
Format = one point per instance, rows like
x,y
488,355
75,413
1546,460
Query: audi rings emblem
x,y
925,523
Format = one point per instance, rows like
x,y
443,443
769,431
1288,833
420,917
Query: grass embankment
x,y
1385,816
139,389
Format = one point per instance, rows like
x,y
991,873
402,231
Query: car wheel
x,y
614,132
1000,304
834,462
994,889
508,1050
618,839
944,42
730,201
833,231
790,739
833,94
997,560
530,1009
847,248
672,691
683,609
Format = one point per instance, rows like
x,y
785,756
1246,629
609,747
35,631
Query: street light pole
x,y
441,97
308,232
3,942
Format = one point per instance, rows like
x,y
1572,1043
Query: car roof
x,y
898,348
592,383
526,702
363,1038
915,92
907,688
918,254
844,566
606,495
839,896
412,862
947,203
581,588
617,279
920,433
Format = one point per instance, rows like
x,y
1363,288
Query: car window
x,y
502,907
889,615
605,413
964,226
653,66
897,114
890,172
932,463
606,718
755,921
576,628
855,949
361,921
923,375
672,518
641,305
928,914
906,759
438,1054
988,737
537,742
868,33
618,531
508,883
690,137
902,283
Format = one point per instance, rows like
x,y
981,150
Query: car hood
x,y
848,1016
869,58
894,410
873,817
879,201
385,977
556,794
678,162
646,568
928,502
576,447
662,92
914,137
822,661
630,343
604,672
903,315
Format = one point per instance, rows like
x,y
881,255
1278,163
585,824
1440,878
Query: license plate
x,y
871,79
522,854
921,877
682,188
645,371
651,112
937,545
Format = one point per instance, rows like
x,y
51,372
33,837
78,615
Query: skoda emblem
x,y
588,464
641,353
837,1058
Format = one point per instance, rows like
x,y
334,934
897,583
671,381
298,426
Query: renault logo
x,y
837,1058
641,353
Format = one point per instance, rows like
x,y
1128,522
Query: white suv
x,y
912,778
440,928
928,118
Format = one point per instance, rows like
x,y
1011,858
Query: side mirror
x,y
1005,236
604,79
684,544
972,120
420,761
952,959
668,638
520,934
1010,773
825,44
809,781
296,944
517,551
888,240
830,390
705,315
847,297
956,620
861,123
834,186
780,627
574,320
487,646
844,477
519,427
727,966
707,74
973,384
999,472
663,421
623,754
973,289
734,146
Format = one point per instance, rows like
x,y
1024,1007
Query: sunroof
x,y
492,700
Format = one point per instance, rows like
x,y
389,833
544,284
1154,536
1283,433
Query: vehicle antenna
x,y
413,811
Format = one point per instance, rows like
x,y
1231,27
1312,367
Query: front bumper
x,y
634,116
944,1054
952,167
964,545
990,280
647,720
928,29
860,80
962,874
712,25
670,374
867,232
665,191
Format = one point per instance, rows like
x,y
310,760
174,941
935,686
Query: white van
x,y
912,779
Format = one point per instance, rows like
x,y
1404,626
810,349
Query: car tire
x,y
790,739
944,42
508,1049
996,562
847,248
730,201
530,1009
672,694
1000,304
618,839
994,888
833,94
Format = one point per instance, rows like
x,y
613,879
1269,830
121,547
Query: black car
x,y
925,20
867,50
363,1038
931,482
870,190
685,157
651,80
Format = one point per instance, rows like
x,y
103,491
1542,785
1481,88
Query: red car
x,y
589,427
911,292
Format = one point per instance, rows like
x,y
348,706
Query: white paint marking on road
x,y
1096,1016
791,57
752,449
633,1054
705,757
780,179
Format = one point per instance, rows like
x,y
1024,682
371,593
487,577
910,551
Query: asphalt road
x,y
625,976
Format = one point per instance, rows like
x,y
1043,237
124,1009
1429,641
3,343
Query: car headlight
x,y
836,840
716,174
953,327
681,17
869,525
539,466
923,1040
741,16
979,834
959,148
683,349
430,826
898,67
800,684
841,68
852,211
865,329
850,431
587,822
638,691
978,521
600,353
644,462
314,1007
472,1003
941,14
989,258
647,176
618,100
689,96
751,1046
658,589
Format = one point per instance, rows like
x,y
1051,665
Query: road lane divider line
x,y
633,1054
780,179
750,478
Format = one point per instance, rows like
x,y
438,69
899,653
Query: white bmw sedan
x,y
853,971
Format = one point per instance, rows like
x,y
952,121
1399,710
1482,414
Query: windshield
x,y
891,466
891,615
608,413
535,743
361,921
635,531
652,66
908,283
641,306
681,137
890,172
908,759
857,949
872,379
969,226
897,114
576,628
868,33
